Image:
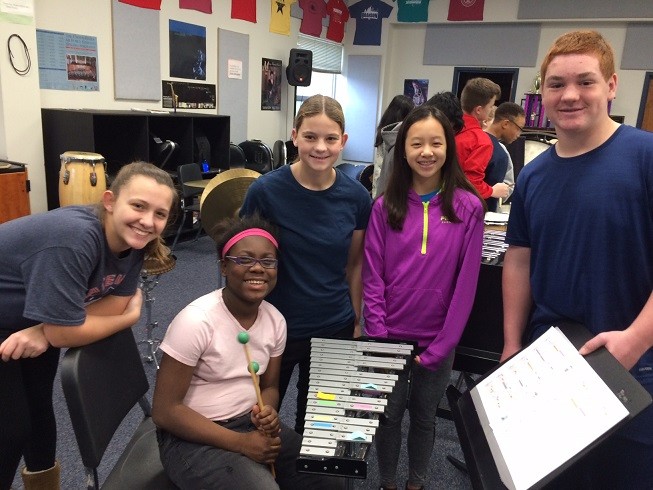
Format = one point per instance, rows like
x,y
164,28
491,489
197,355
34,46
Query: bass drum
x,y
82,178
533,148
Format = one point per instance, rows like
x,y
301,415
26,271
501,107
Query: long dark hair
x,y
400,182
398,108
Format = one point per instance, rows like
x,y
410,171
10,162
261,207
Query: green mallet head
x,y
253,367
243,337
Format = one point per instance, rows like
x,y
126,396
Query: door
x,y
645,119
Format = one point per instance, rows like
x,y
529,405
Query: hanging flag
x,y
199,5
466,9
280,16
145,4
244,10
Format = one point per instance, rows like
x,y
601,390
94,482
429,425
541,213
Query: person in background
x,y
506,126
580,237
399,106
422,260
473,145
70,279
211,431
486,123
321,214
448,103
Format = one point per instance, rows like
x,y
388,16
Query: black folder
x,y
480,463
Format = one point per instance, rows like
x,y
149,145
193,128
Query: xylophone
x,y
349,383
494,247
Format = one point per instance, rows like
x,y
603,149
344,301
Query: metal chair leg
x,y
178,234
148,283
199,230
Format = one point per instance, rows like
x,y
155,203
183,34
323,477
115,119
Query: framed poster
x,y
270,85
187,50
417,90
67,61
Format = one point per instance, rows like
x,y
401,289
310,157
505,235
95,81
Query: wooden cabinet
x,y
122,137
14,188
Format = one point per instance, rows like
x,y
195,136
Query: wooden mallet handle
x,y
252,367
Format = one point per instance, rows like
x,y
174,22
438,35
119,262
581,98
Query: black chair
x,y
291,152
237,158
188,201
278,154
102,382
258,155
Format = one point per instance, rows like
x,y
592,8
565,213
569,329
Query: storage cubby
x,y
122,137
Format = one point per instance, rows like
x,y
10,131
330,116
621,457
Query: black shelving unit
x,y
122,137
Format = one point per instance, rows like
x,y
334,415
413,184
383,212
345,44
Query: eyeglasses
x,y
247,261
521,128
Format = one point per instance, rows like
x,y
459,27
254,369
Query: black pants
x,y
298,352
27,423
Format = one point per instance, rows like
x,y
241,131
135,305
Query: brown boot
x,y
49,479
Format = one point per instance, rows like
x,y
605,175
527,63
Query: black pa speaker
x,y
300,67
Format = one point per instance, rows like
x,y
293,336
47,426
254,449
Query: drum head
x,y
224,195
81,156
152,267
533,148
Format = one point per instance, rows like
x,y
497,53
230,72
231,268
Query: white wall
x,y
406,42
93,18
401,57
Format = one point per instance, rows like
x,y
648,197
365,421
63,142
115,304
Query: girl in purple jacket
x,y
422,259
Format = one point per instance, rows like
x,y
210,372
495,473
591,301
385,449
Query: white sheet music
x,y
541,408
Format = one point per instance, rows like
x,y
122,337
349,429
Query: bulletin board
x,y
233,79
136,52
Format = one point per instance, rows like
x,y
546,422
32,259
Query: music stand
x,y
479,459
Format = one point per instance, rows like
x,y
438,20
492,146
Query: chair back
x,y
258,155
291,152
237,158
101,383
279,153
186,173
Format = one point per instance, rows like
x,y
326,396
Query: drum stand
x,y
148,283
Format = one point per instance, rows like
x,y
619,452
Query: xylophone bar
x,y
355,359
329,385
346,398
366,407
389,347
353,374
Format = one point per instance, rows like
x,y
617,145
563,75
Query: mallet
x,y
253,367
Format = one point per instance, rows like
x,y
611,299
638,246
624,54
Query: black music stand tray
x,y
480,463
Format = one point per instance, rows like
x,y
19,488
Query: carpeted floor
x,y
196,273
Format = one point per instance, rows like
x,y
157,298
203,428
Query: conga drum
x,y
82,178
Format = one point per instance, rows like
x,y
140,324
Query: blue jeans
x,y
426,390
193,466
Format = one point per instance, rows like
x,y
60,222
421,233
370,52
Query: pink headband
x,y
245,233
